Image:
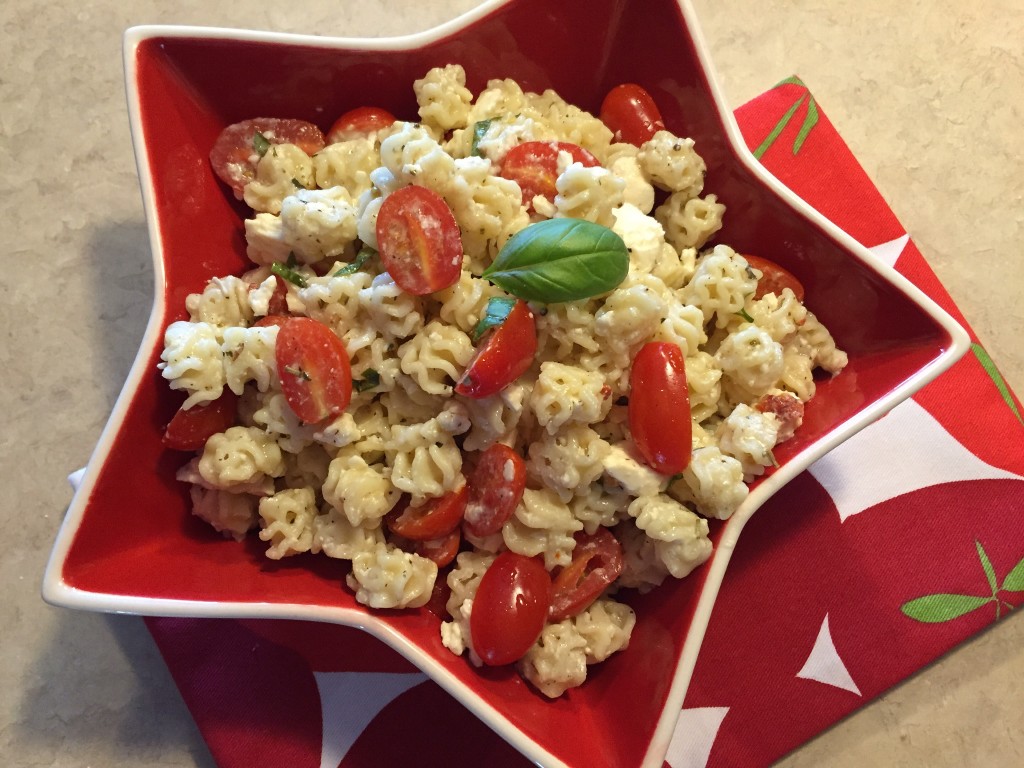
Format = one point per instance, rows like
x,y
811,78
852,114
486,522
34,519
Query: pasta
x,y
365,476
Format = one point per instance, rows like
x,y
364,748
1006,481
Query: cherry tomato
x,y
432,520
359,122
189,430
774,278
269,320
596,563
419,240
631,113
495,488
441,550
510,608
533,165
505,354
234,156
313,366
659,407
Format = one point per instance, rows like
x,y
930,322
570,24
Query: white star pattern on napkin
x,y
905,451
890,251
824,664
694,735
349,701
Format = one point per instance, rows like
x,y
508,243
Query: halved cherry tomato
x,y
659,407
359,122
495,488
533,165
431,520
504,355
313,366
510,608
596,563
773,278
269,320
441,550
189,430
234,157
419,240
630,112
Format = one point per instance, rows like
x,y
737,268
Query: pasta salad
x,y
492,358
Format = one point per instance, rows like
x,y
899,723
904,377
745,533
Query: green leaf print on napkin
x,y
997,378
810,120
945,606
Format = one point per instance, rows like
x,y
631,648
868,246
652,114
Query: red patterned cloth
x,y
838,590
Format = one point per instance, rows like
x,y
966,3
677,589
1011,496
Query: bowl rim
x,y
58,593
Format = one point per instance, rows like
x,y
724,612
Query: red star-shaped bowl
x,y
129,544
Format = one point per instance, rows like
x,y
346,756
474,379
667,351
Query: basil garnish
x,y
370,380
287,273
495,313
260,143
745,315
365,254
479,130
560,260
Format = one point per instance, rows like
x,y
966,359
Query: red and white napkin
x,y
856,575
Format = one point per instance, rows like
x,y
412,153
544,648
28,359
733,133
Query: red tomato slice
x,y
419,240
442,550
631,113
495,488
505,354
278,304
313,366
432,520
773,278
596,563
438,602
234,157
189,430
359,122
533,165
510,608
659,407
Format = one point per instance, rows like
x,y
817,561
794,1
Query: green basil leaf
x,y
560,260
287,273
745,315
369,380
365,254
479,130
494,315
260,143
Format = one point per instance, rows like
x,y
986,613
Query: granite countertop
x,y
928,94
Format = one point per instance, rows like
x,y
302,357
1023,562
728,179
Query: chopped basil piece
x,y
260,143
298,373
560,260
494,315
365,254
297,184
287,273
370,380
745,315
479,131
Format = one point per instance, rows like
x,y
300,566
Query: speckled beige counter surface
x,y
928,93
